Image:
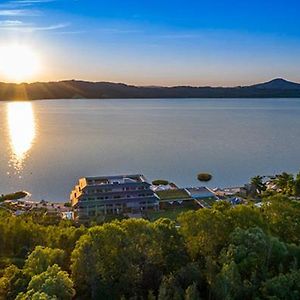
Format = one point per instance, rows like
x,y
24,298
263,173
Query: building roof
x,y
117,179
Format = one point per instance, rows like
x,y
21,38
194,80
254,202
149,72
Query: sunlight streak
x,y
22,132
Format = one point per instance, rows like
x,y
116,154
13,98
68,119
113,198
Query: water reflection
x,y
22,132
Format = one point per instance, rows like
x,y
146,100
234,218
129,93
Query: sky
x,y
158,42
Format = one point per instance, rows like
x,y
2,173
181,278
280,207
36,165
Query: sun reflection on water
x,y
22,132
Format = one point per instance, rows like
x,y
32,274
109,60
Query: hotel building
x,y
124,194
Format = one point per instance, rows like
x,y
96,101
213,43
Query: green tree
x,y
192,293
283,218
43,257
12,282
249,259
285,182
54,283
189,274
126,258
151,295
169,245
31,295
100,262
205,231
283,286
297,186
169,289
258,185
245,217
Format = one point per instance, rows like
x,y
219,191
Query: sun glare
x,y
18,63
22,131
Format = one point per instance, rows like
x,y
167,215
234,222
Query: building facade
x,y
124,194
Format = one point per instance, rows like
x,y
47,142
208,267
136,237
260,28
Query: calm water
x,y
45,146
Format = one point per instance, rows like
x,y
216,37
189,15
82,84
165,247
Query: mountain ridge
x,y
75,89
278,83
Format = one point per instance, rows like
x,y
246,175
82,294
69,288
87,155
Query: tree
x,y
245,217
189,274
283,217
53,282
12,282
249,259
192,292
169,245
283,286
228,283
101,263
43,257
297,186
205,231
126,258
151,295
169,289
285,182
258,185
243,261
31,295
204,177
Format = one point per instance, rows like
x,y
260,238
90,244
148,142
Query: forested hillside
x,y
226,252
74,89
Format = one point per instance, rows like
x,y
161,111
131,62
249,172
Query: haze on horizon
x,y
216,43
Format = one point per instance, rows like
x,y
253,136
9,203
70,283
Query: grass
x,y
173,195
171,214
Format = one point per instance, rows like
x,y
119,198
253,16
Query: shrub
x,y
204,177
160,182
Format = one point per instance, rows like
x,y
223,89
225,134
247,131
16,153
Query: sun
x,y
18,63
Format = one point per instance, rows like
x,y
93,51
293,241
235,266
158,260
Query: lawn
x,y
179,194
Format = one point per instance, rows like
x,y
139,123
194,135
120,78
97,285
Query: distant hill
x,y
279,84
74,89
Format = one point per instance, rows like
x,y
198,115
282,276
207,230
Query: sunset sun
x,y
18,63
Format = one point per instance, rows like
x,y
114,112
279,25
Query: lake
x,y
45,146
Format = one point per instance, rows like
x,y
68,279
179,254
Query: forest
x,y
226,252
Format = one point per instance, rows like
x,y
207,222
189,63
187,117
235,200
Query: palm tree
x,y
285,182
258,184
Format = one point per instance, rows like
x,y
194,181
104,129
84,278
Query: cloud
x,y
31,1
17,9
18,12
70,32
22,3
10,23
51,27
27,27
